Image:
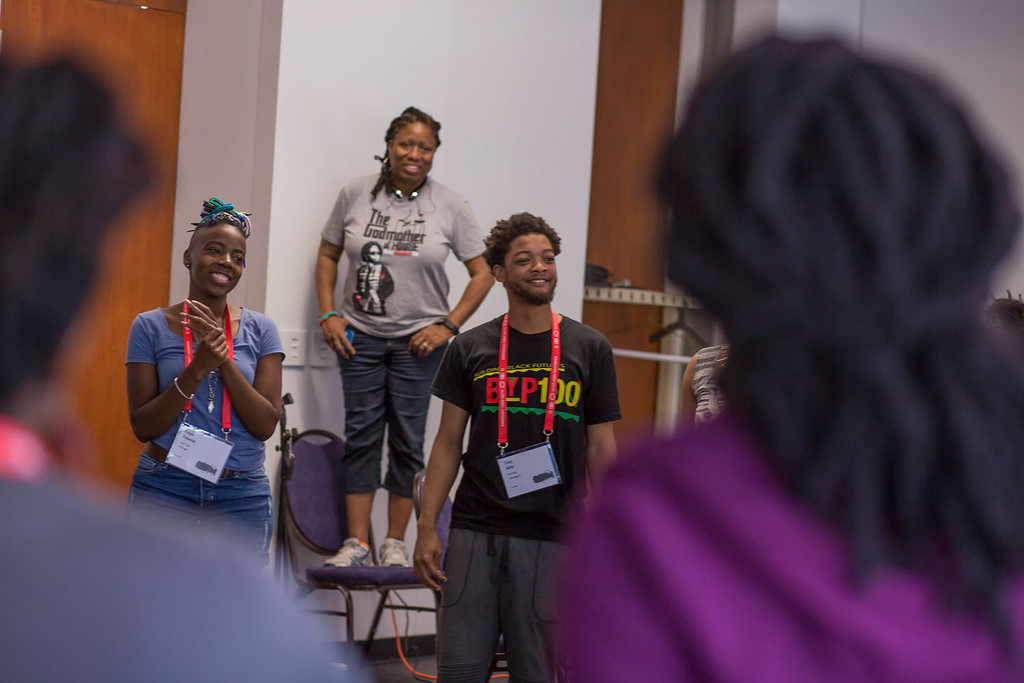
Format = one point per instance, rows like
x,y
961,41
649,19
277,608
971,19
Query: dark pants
x,y
237,505
385,385
498,585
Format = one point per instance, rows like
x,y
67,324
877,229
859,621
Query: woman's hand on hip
x,y
425,341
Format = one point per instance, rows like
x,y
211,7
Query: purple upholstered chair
x,y
312,512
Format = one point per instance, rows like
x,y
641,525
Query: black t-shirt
x,y
587,394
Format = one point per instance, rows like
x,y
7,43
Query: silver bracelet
x,y
187,397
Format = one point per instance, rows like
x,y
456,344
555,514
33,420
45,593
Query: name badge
x,y
199,452
529,469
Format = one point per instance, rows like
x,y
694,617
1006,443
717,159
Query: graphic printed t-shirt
x,y
587,394
395,248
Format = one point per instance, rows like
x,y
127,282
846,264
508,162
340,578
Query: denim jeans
x,y
385,385
238,505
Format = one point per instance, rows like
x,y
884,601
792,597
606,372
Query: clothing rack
x,y
647,355
670,376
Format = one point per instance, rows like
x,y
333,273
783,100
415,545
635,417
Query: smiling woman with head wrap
x,y
203,365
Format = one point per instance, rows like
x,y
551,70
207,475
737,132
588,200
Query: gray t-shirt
x,y
396,248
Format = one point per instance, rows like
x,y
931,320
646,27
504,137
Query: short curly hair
x,y
517,225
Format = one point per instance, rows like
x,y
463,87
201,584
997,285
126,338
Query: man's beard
x,y
532,296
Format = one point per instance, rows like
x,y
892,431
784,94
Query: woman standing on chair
x,y
396,229
202,374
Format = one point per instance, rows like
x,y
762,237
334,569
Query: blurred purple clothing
x,y
695,564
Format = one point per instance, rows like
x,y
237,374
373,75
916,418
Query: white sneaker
x,y
352,554
394,554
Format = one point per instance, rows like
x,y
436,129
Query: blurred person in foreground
x,y
86,596
857,513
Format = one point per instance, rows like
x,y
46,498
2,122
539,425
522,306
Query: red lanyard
x,y
22,453
186,335
549,412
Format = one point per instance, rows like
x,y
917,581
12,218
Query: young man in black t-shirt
x,y
538,391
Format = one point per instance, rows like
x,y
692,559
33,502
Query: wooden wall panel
x,y
139,54
638,70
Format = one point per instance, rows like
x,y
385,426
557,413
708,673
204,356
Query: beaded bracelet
x,y
328,314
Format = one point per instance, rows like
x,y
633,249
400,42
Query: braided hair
x,y
408,116
69,168
842,220
216,212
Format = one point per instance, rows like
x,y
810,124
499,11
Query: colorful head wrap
x,y
218,211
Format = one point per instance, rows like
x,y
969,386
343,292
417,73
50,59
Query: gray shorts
x,y
498,585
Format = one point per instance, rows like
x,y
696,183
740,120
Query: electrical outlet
x,y
295,345
320,354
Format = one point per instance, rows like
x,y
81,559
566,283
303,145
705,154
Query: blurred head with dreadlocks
x,y
841,218
70,167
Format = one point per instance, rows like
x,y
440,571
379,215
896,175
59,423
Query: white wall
x,y
513,85
296,103
841,18
226,134
514,88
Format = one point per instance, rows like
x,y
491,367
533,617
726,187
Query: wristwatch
x,y
449,324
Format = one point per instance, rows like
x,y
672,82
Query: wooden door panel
x,y
638,66
138,53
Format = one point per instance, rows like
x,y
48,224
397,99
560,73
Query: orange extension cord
x,y
414,672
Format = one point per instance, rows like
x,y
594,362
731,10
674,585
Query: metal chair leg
x,y
376,621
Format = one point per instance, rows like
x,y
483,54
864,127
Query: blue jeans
x,y
238,505
385,385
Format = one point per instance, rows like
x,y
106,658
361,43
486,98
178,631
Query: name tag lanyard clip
x,y
549,411
186,334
